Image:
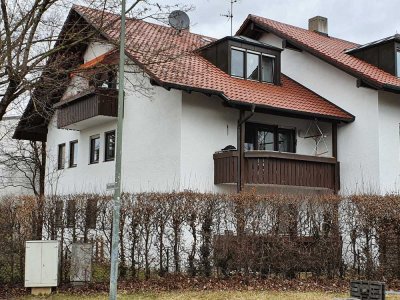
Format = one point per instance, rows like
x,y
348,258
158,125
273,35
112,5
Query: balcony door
x,y
269,138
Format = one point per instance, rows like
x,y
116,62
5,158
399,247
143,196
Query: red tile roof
x,y
169,58
327,48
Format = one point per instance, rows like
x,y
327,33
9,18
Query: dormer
x,y
245,58
384,54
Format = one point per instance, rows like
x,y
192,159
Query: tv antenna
x,y
179,20
229,15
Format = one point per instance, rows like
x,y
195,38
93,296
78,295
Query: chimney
x,y
318,24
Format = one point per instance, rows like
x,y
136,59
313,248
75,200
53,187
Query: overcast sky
x,y
360,21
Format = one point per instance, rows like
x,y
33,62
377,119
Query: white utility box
x,y
41,263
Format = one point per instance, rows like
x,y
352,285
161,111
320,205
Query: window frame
x,y
61,160
106,141
92,149
252,128
273,68
243,51
397,62
260,56
72,145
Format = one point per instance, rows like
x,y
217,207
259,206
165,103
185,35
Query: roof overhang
x,y
258,107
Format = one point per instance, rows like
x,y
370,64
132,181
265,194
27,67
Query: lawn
x,y
212,295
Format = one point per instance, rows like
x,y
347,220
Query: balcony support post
x,y
335,155
334,140
240,147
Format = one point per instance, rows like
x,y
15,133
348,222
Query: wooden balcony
x,y
87,109
276,168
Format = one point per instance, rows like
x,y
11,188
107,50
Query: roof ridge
x,y
77,7
301,28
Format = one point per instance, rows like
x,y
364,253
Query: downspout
x,y
240,146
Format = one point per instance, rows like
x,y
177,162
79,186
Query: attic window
x,y
252,65
267,67
398,62
237,63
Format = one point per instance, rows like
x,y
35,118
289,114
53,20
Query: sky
x,y
359,21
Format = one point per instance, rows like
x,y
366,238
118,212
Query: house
x,y
17,167
275,107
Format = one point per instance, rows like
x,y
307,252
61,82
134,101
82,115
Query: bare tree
x,y
21,162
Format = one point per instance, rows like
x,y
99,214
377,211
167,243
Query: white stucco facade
x,y
170,136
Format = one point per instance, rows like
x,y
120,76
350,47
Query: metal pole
x,y
118,156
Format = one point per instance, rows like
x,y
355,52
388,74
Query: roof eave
x,y
271,109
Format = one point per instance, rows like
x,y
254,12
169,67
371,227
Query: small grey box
x,y
81,263
367,290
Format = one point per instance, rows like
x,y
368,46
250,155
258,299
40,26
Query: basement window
x,y
270,138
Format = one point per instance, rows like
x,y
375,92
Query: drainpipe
x,y
240,146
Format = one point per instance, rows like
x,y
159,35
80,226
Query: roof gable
x,y
329,49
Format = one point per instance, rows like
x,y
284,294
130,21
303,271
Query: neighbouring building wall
x,y
389,142
13,180
358,146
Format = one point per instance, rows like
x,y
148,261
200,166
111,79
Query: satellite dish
x,y
179,20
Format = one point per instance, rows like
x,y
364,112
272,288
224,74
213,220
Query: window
x,y
237,63
61,156
71,213
285,140
265,139
104,79
58,219
94,149
267,68
256,66
398,62
253,61
269,138
91,213
73,154
109,150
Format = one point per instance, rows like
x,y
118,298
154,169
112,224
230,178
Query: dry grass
x,y
212,295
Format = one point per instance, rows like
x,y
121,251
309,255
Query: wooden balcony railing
x,y
267,167
86,105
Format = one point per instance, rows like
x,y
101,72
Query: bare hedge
x,y
212,234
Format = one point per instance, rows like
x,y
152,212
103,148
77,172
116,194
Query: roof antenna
x,y
229,15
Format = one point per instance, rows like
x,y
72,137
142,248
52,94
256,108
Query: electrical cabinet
x,y
41,263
